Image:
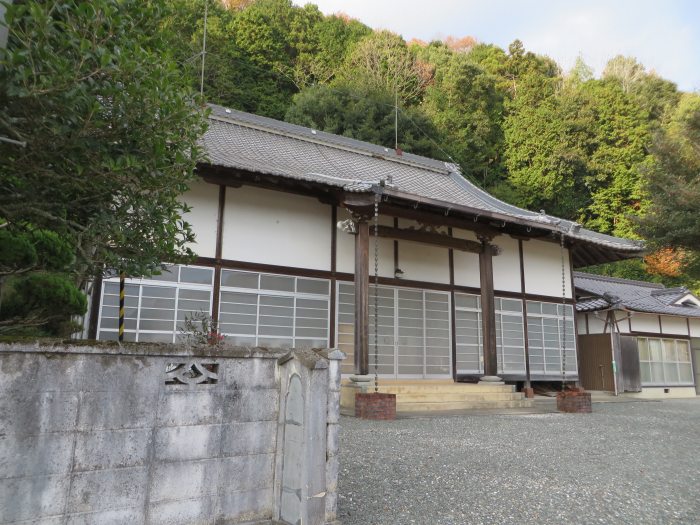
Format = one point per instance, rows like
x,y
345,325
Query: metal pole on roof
x,y
396,118
204,46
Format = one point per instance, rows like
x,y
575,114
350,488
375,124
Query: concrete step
x,y
412,397
461,405
397,388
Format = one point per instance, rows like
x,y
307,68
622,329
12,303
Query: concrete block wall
x,y
93,434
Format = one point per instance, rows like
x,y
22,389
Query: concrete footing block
x,y
375,405
574,401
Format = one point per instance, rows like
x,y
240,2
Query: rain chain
x,y
563,303
376,292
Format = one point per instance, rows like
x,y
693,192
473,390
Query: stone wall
x,y
165,434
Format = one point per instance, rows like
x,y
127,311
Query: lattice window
x,y
665,362
156,307
274,310
545,327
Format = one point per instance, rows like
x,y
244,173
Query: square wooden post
x,y
488,307
362,298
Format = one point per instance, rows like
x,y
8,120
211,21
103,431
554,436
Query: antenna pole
x,y
204,46
396,118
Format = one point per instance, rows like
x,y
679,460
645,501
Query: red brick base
x,y
375,406
529,392
576,401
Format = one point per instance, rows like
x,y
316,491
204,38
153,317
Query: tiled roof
x,y
600,292
262,145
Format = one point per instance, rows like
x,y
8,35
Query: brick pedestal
x,y
529,392
576,401
375,406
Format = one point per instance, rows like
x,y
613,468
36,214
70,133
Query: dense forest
x,y
619,154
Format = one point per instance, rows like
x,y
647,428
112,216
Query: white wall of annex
x,y
581,324
345,246
674,325
273,227
466,265
542,263
623,324
645,323
506,266
203,198
595,325
695,328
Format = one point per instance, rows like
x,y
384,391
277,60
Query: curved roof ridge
x,y
620,280
328,139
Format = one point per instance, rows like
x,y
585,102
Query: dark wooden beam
x,y
488,309
362,298
437,219
435,239
453,319
524,302
216,292
334,248
95,298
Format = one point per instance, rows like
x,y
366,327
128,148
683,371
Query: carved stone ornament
x,y
192,373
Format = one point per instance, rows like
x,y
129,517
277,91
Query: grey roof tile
x,y
262,145
638,296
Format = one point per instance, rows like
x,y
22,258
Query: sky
x,y
664,35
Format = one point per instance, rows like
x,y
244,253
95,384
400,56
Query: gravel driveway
x,y
635,463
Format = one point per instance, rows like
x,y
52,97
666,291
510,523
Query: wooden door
x,y
695,349
629,365
595,359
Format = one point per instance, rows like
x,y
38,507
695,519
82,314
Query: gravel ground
x,y
635,463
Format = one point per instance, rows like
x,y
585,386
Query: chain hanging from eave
x,y
563,305
377,197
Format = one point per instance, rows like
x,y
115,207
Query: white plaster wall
x,y
423,262
273,227
695,328
658,392
674,325
506,266
345,246
203,198
466,265
542,263
623,324
645,323
581,324
595,325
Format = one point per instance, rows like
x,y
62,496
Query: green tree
x,y
549,134
673,181
623,136
382,62
111,128
464,103
367,115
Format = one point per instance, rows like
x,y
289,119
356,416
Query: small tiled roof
x,y
599,292
251,143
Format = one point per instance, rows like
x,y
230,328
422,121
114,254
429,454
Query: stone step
x,y
461,405
447,388
411,397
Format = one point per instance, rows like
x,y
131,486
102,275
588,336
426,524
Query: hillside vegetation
x,y
619,154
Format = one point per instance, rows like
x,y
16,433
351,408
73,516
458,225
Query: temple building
x,y
293,224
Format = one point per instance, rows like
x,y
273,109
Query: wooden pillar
x,y
362,298
488,309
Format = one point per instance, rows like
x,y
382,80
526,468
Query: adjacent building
x,y
637,336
